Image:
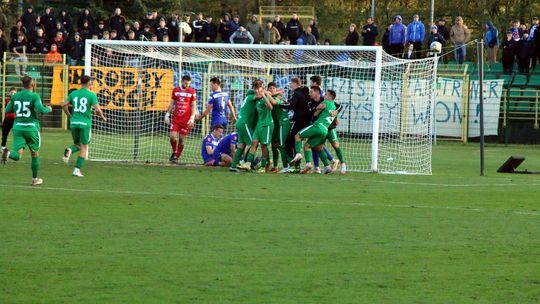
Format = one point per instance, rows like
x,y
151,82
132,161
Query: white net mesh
x,y
134,82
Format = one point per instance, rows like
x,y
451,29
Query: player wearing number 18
x,y
83,101
25,104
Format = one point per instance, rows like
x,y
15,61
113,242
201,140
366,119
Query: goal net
x,y
385,124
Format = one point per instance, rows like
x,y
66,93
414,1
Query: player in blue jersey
x,y
209,143
224,151
218,102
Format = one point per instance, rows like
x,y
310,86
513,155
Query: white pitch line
x,y
256,199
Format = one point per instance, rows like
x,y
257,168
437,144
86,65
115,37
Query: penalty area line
x,y
259,199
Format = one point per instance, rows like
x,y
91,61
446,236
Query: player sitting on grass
x,y
217,105
332,136
184,108
224,151
25,104
282,127
246,122
316,133
209,144
83,101
263,132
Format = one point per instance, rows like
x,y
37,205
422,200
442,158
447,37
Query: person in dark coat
x,y
524,52
280,27
294,29
509,47
66,20
49,22
370,32
352,35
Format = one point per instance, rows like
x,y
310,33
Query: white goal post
x,y
386,122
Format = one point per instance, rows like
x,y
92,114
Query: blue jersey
x,y
219,101
224,146
208,141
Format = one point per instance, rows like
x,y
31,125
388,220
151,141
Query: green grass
x,y
159,234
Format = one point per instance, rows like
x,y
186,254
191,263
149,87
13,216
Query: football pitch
x,y
181,234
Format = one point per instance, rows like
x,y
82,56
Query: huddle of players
x,y
264,120
24,106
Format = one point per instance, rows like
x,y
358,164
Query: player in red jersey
x,y
7,124
183,107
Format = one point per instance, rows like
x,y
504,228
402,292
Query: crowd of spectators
x,y
56,34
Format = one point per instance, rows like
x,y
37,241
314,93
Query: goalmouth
x,y
386,124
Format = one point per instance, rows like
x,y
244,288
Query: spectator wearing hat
x,y
509,47
241,36
234,25
460,35
270,34
397,37
370,32
294,29
534,38
352,35
49,22
86,16
255,29
28,18
117,22
66,20
210,30
492,43
75,50
224,28
435,36
100,29
280,26
149,20
416,33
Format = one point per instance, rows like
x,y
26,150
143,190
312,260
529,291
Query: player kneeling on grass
x,y
246,122
263,132
83,101
225,150
184,108
316,133
209,144
332,136
25,104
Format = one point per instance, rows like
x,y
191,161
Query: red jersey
x,y
182,103
9,115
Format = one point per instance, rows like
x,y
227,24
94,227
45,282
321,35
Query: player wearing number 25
x,y
25,104
83,101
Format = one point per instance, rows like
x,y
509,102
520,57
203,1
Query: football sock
x,y
309,155
250,157
298,146
328,155
36,163
284,158
339,154
74,148
14,155
275,156
316,159
179,151
324,159
237,156
174,145
263,162
80,162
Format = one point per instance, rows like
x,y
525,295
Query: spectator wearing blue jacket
x,y
416,33
397,37
492,43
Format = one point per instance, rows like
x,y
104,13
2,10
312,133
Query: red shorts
x,y
180,127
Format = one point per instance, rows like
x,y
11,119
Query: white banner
x,y
449,107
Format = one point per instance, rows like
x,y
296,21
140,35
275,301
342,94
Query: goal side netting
x,y
385,124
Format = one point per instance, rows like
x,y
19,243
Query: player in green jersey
x,y
246,122
315,133
332,136
282,127
263,132
83,101
25,104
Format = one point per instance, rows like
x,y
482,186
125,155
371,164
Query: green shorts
x,y
316,135
263,134
21,139
281,132
245,134
332,136
81,135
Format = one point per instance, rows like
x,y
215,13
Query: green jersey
x,y
264,113
82,101
247,110
26,105
280,115
325,118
